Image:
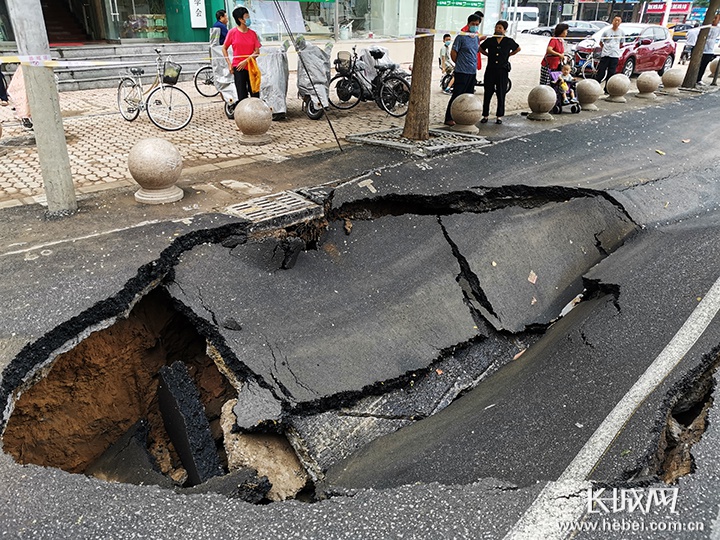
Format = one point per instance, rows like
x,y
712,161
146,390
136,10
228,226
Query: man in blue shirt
x,y
464,53
221,23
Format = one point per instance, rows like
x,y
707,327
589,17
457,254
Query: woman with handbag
x,y
498,48
554,53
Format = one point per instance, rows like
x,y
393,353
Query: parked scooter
x,y
313,79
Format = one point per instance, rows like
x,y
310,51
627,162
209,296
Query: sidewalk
x,y
99,139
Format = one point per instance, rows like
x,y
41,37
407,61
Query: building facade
x,y
77,22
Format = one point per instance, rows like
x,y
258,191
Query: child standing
x,y
446,63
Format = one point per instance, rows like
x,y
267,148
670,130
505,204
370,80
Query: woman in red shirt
x,y
244,43
554,53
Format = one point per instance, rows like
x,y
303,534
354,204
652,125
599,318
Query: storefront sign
x,y
197,14
474,4
677,7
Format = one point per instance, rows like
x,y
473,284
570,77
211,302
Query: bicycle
x,y
167,106
586,64
389,88
204,80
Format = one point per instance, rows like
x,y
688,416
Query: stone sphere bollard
x,y
466,111
647,84
588,92
617,86
541,100
713,66
672,79
253,117
156,165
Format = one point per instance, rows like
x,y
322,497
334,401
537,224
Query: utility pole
x,y
417,121
31,38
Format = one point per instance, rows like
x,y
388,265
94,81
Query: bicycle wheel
x,y
169,108
395,96
129,98
205,82
344,91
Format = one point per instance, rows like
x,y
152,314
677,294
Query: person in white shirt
x,y
708,53
610,42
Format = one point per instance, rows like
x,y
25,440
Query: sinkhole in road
x,y
100,411
685,425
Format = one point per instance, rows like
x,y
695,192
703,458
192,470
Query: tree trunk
x,y
694,66
417,121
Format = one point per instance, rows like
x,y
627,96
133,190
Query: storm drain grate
x,y
440,141
286,206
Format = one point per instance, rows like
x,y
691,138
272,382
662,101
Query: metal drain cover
x,y
286,208
440,141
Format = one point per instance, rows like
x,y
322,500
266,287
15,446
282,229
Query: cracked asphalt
x,y
474,253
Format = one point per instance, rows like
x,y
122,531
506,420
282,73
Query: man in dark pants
x,y
498,48
708,51
611,41
464,53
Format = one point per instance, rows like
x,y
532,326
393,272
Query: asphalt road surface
x,y
584,408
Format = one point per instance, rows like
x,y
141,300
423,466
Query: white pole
x,y
31,39
666,14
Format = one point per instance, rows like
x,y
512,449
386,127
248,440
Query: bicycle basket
x,y
342,63
171,72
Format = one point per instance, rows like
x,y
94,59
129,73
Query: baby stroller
x,y
562,98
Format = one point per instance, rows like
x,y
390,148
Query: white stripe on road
x,y
564,501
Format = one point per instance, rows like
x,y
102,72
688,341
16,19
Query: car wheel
x,y
629,68
547,34
669,61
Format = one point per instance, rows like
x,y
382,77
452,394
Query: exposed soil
x,y
686,424
94,393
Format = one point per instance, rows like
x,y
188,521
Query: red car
x,y
647,47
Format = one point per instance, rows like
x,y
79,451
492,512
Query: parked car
x,y
679,30
577,29
646,47
600,24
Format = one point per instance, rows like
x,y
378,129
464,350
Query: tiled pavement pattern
x,y
99,139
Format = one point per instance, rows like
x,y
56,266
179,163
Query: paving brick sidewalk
x,y
99,139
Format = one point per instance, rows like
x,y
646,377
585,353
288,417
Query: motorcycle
x,y
313,77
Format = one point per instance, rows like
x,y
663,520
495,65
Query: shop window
x,y
143,20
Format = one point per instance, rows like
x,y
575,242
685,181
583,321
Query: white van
x,y
521,18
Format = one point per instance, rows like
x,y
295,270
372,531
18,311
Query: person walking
x,y
498,48
464,53
611,40
245,46
554,53
708,50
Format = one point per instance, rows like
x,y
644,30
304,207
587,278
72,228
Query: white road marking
x,y
565,500
87,236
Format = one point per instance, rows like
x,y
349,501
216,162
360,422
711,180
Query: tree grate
x,y
440,141
287,206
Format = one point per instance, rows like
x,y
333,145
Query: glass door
x,y
137,19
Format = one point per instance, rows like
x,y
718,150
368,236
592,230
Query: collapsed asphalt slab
x,y
595,353
346,316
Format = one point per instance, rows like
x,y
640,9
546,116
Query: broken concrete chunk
x,y
243,484
256,406
186,424
271,455
129,461
293,247
234,240
231,324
